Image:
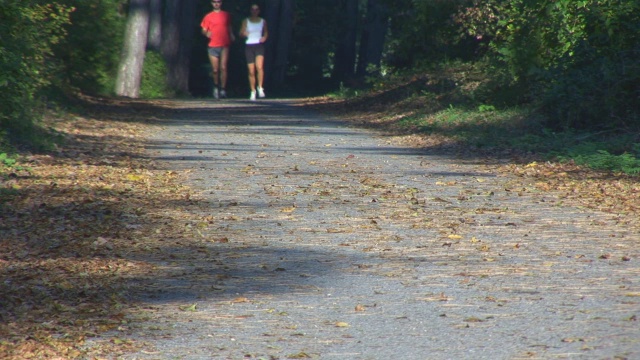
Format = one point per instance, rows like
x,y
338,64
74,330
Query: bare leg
x,y
252,76
224,59
215,68
260,69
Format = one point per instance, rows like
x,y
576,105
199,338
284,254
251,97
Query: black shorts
x,y
251,51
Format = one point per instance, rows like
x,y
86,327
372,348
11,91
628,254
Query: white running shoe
x,y
216,93
223,94
253,96
261,92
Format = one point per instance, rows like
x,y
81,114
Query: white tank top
x,y
255,31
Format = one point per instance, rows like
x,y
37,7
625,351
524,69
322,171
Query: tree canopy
x,y
577,61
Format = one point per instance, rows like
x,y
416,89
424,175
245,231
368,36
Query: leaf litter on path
x,y
84,199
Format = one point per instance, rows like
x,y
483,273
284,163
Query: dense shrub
x,y
28,30
578,58
91,51
154,77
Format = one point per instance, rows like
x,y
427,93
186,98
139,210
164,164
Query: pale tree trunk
x,y
345,58
177,34
373,36
135,43
155,25
279,15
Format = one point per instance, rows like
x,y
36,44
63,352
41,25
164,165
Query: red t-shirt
x,y
218,24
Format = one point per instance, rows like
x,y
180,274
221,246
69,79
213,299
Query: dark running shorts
x,y
252,51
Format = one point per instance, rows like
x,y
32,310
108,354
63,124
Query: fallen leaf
x,y
473,319
342,324
132,177
572,340
484,248
190,308
300,355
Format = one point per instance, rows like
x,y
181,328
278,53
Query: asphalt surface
x,y
323,241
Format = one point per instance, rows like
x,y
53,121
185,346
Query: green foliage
x,y
91,51
29,30
603,160
345,92
611,156
6,161
422,32
154,75
578,59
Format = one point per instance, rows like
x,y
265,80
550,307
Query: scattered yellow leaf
x,y
342,324
454,237
191,308
132,177
301,355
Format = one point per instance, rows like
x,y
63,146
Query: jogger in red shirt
x,y
216,25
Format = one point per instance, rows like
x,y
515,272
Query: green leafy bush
x,y
154,75
603,160
28,31
6,161
578,60
91,50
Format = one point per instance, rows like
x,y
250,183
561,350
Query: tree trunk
x,y
345,58
155,25
373,36
180,73
279,15
177,31
135,43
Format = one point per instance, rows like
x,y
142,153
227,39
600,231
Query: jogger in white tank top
x,y
254,29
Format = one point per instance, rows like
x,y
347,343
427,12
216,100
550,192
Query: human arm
x,y
265,33
243,29
205,27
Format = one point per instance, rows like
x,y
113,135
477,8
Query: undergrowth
x,y
459,102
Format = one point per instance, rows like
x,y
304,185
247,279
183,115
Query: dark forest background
x,y
574,62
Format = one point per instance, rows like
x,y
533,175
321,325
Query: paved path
x,y
318,240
